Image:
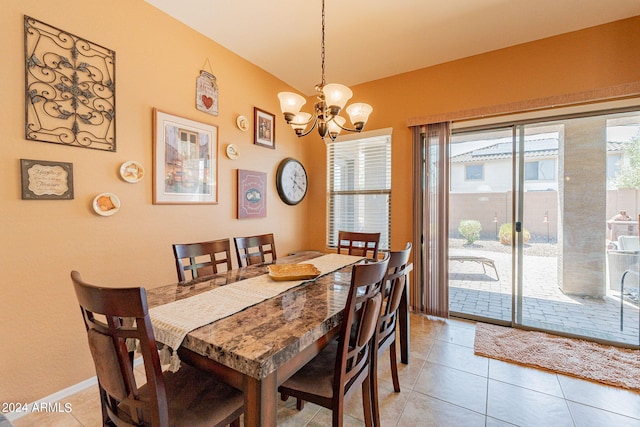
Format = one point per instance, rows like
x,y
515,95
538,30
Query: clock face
x,y
291,181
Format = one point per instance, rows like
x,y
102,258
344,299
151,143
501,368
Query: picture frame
x,y
185,160
46,180
264,128
252,194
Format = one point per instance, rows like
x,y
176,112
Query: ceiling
x,y
371,39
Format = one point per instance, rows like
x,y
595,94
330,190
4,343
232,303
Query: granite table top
x,y
261,338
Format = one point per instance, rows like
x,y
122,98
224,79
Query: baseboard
x,y
52,398
62,394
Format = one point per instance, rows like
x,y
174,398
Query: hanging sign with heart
x,y
207,93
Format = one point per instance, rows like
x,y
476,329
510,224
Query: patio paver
x,y
473,292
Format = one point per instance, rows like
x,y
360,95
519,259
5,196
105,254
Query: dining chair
x,y
200,258
349,361
116,317
391,296
252,249
356,243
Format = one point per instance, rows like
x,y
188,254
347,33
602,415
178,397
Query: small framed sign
x,y
207,93
46,180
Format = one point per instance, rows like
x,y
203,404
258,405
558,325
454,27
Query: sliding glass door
x,y
480,218
544,225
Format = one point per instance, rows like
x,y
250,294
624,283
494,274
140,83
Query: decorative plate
x,y
242,123
232,151
106,204
283,272
132,171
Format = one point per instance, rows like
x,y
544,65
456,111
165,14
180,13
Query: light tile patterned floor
x,y
445,384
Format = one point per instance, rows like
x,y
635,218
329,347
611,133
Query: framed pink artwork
x,y
252,194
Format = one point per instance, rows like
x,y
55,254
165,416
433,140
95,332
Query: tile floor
x,y
445,384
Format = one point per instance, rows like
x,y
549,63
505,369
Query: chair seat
x,y
316,377
191,394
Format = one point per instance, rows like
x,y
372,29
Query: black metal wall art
x,y
70,88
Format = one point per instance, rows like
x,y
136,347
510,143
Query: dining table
x,y
260,346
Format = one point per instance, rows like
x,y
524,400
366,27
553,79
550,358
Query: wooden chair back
x,y
201,259
361,244
350,361
112,317
117,321
357,341
392,294
251,250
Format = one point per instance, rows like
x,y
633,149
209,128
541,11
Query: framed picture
x,y
264,127
252,194
185,160
46,180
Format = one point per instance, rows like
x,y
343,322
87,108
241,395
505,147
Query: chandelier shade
x,y
300,122
335,126
359,114
336,95
291,102
332,99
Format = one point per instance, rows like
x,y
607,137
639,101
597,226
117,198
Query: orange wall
x,y
158,60
594,58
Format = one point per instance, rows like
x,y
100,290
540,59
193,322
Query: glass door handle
x,y
518,227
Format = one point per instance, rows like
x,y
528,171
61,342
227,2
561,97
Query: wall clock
x,y
291,181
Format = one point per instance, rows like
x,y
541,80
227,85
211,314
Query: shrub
x,y
470,230
505,234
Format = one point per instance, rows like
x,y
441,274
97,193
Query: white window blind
x,y
359,187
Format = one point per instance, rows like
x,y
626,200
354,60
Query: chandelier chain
x,y
322,56
331,99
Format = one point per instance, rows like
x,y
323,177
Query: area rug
x,y
579,358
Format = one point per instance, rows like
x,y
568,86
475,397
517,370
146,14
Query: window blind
x,y
359,188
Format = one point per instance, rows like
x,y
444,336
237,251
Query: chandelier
x,y
332,98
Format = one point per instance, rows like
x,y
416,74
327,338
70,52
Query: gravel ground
x,y
530,248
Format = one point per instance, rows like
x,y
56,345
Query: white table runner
x,y
172,322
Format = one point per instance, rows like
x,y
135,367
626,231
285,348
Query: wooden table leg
x,y
260,401
403,314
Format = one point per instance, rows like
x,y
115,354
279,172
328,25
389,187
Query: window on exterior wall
x,y
359,187
541,170
613,166
474,172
